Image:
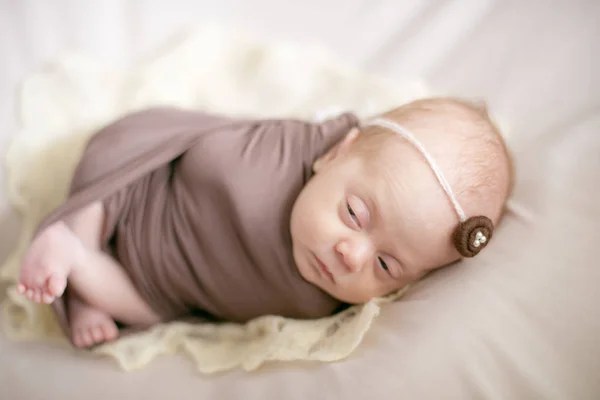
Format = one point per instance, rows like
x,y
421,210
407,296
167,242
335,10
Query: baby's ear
x,y
341,147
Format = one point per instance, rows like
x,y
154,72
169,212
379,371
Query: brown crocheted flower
x,y
473,235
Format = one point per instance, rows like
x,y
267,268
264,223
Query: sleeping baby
x,y
175,213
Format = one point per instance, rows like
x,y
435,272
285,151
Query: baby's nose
x,y
354,253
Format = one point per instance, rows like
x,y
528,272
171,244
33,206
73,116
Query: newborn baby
x,y
174,213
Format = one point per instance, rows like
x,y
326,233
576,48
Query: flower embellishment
x,y
473,235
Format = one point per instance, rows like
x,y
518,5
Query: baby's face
x,y
364,228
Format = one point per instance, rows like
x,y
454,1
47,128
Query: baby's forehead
x,y
399,175
458,156
392,158
404,186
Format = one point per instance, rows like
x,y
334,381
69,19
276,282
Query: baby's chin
x,y
349,297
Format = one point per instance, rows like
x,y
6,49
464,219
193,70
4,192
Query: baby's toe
x,y
75,338
29,294
110,332
37,296
78,339
97,334
47,298
86,338
56,286
21,289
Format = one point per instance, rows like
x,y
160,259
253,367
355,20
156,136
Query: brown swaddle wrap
x,y
198,208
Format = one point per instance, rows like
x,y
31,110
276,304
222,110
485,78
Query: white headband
x,y
472,233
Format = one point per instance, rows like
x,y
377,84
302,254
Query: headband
x,y
472,234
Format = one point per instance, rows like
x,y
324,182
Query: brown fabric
x,y
466,235
198,207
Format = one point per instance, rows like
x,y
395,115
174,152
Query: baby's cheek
x,y
386,286
363,289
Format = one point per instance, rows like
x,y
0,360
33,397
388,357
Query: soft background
x,y
523,323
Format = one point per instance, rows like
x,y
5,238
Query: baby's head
x,y
375,216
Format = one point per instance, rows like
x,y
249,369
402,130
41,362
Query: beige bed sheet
x,y
522,321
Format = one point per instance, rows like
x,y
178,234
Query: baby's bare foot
x,y
90,326
48,262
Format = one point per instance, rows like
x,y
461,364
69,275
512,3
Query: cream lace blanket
x,y
216,70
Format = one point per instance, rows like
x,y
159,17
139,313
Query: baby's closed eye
x,y
357,212
390,266
383,264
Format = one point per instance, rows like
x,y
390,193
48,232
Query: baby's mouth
x,y
323,269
